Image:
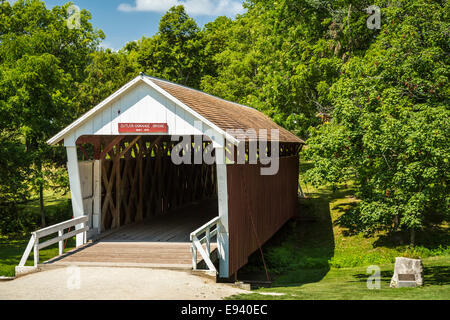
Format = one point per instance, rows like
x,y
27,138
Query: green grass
x,y
351,284
11,252
320,259
57,207
325,244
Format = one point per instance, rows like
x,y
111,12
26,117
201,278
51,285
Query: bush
x,y
15,221
19,220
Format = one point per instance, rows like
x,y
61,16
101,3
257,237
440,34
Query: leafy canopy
x,y
390,128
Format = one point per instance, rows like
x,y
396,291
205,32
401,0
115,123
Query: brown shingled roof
x,y
225,114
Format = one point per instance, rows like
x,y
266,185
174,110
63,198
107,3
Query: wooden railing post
x,y
194,257
197,244
85,225
208,242
36,251
35,245
27,252
61,243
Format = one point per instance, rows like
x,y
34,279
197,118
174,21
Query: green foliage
x,y
275,62
13,169
390,127
105,74
387,91
324,239
19,219
41,63
175,52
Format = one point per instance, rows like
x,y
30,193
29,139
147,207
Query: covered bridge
x,y
123,169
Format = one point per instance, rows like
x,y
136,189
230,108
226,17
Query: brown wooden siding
x,y
272,201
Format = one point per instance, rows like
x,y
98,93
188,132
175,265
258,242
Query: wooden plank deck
x,y
158,242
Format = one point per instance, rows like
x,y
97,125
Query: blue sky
x,y
127,20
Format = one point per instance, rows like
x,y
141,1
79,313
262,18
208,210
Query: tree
x,y
215,39
41,62
174,53
281,58
390,129
106,73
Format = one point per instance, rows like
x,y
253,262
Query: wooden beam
x,y
97,207
97,150
132,143
83,150
111,145
149,150
116,215
88,140
140,207
108,183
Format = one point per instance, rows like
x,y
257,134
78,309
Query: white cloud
x,y
193,7
108,45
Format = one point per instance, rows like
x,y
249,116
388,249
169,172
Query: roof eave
x,y
226,135
66,131
63,133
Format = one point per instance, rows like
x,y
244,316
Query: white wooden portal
x,y
140,101
90,175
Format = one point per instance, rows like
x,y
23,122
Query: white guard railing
x,y
209,230
57,228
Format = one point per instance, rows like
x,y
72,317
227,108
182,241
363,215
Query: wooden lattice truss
x,y
139,179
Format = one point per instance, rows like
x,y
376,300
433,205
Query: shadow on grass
x,y
440,238
348,219
437,275
385,276
300,252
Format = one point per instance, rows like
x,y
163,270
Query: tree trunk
x,y
396,222
41,194
41,202
412,237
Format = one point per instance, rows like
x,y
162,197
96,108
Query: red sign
x,y
143,128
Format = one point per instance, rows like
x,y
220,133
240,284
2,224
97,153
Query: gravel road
x,y
106,283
